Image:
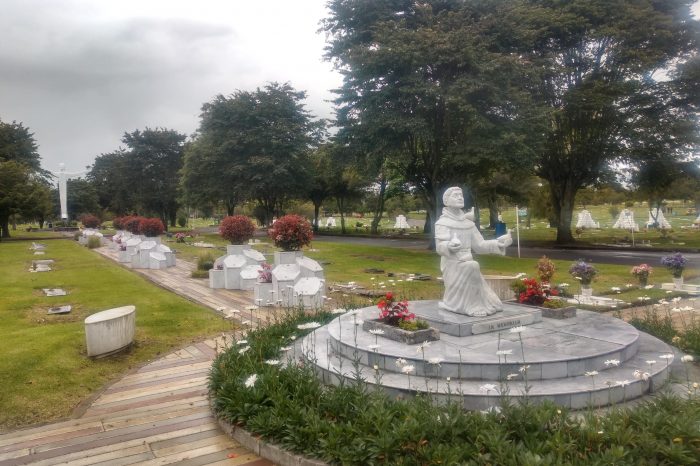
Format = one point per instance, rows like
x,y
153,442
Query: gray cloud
x,y
80,76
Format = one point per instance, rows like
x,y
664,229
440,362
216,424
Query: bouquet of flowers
x,y
545,269
642,272
265,273
583,271
393,312
535,294
675,264
180,237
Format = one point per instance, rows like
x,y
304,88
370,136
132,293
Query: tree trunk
x,y
173,218
230,206
317,210
4,227
379,207
493,211
341,207
563,203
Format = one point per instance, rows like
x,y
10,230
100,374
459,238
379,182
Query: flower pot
x,y
236,249
586,291
263,294
642,282
678,283
404,336
287,257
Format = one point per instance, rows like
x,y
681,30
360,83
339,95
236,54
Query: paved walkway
x,y
157,415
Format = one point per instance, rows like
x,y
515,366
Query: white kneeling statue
x,y
456,236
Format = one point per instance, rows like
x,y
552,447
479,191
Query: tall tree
x,y
20,172
425,76
155,160
254,145
111,177
595,61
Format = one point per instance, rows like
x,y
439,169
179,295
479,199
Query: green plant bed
x,y
356,425
43,365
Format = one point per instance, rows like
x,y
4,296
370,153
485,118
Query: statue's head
x,y
453,197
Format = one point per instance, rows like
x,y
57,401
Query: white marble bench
x,y
109,331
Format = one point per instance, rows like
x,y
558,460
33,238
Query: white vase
x,y
586,291
678,283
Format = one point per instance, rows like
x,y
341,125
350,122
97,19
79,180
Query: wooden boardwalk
x,y
157,415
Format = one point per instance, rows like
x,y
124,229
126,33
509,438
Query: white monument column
x,y
63,188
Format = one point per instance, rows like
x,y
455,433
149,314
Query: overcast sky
x,y
79,73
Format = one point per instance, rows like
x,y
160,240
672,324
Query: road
x,y
619,256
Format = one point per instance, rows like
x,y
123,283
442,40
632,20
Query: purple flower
x,y
675,264
583,271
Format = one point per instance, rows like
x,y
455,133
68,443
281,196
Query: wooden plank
x,y
136,393
62,437
223,441
106,409
48,430
152,416
63,450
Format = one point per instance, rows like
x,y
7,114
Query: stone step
x,y
614,384
553,348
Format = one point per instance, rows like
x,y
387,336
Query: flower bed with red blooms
x,y
90,221
394,312
291,232
237,229
151,227
535,293
117,223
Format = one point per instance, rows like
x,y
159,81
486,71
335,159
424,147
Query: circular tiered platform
x,y
465,363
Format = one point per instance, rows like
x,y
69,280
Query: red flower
x,y
392,312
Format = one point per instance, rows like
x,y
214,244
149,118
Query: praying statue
x,y
456,236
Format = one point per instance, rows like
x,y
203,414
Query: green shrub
x,y
205,262
181,221
352,425
200,274
93,242
413,325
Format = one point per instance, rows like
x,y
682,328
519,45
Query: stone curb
x,y
267,450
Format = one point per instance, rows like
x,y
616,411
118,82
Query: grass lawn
x,y
43,365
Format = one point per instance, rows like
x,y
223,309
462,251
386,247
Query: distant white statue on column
x,y
456,236
63,178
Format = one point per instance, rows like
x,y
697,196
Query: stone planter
x,y
263,294
155,239
216,278
678,283
236,249
558,313
287,257
110,331
404,336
